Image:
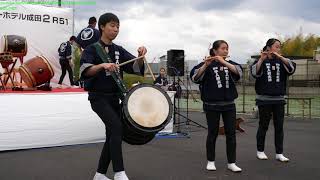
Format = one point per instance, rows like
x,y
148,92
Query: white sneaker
x,y
261,155
61,86
74,87
234,168
281,158
99,176
211,166
120,176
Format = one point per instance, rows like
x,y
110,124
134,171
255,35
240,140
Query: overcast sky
x,y
192,25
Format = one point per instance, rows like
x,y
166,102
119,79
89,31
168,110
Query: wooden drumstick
x,y
149,68
130,61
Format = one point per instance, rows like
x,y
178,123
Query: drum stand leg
x,y
177,114
2,83
187,121
8,73
19,88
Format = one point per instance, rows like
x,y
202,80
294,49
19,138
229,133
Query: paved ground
x,y
176,158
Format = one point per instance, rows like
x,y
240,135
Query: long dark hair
x,y
270,42
216,46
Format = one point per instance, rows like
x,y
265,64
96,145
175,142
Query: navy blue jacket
x,y
65,51
271,79
103,82
163,81
217,84
87,36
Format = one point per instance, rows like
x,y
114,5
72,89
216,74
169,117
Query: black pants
x,y
108,109
265,112
229,120
65,66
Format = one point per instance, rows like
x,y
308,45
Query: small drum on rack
x,y
6,59
147,109
36,71
15,44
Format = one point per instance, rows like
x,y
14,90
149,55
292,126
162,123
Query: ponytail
x,y
265,48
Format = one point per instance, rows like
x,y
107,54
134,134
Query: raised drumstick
x,y
132,60
149,69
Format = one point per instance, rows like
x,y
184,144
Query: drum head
x,y
26,76
15,44
148,107
36,71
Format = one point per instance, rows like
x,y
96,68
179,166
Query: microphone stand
x,y
177,112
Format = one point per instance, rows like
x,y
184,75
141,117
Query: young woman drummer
x,y
271,72
104,92
217,77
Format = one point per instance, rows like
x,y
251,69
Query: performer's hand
x,y
142,51
110,66
219,59
264,55
208,60
277,55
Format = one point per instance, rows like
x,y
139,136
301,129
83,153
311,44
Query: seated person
x,y
161,80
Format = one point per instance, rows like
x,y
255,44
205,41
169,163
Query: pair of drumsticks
x,y
149,68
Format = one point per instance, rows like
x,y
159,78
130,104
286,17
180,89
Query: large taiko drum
x,y
15,44
36,71
147,109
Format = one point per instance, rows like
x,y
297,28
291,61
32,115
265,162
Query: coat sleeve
x,y
194,72
87,60
133,67
253,70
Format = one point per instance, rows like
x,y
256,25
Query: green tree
x,y
130,79
299,45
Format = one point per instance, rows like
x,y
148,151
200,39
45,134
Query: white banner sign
x,y
44,28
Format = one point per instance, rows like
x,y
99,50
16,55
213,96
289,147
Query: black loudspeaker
x,y
175,62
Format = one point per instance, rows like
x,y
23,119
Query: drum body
x,y
147,109
36,71
17,45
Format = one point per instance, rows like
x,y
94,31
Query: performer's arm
x,y
69,52
258,65
89,67
263,56
288,64
136,67
237,76
230,66
255,68
93,70
199,72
